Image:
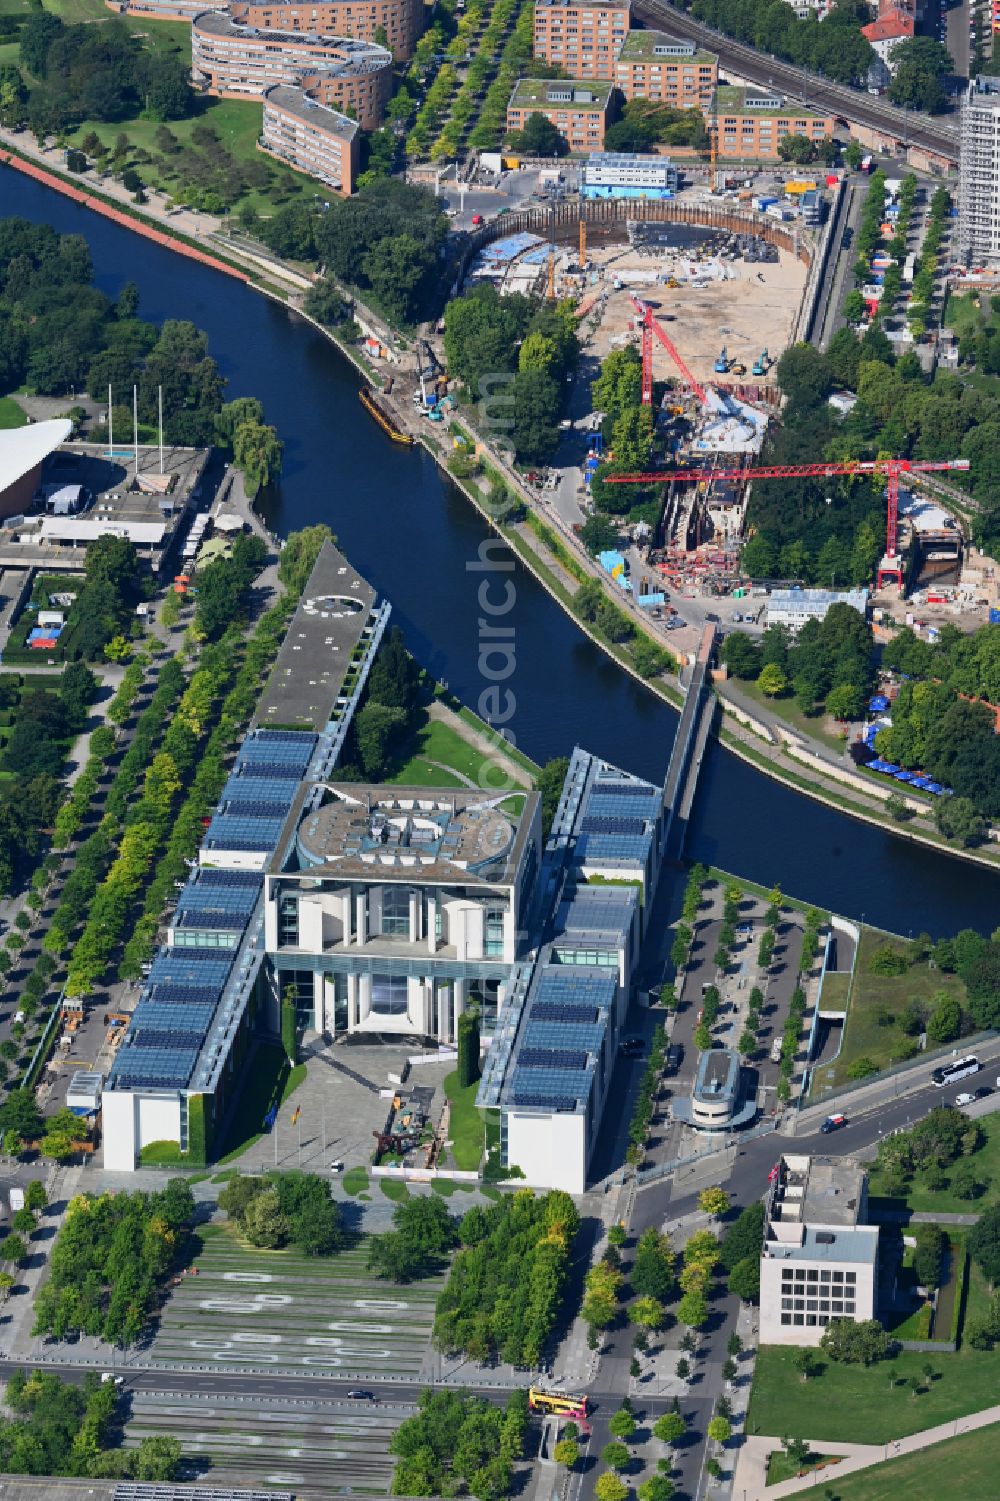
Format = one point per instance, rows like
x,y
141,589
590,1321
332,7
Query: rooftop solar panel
x,y
530,1100
209,918
166,1037
254,808
209,877
551,1058
271,770
558,1012
605,824
183,995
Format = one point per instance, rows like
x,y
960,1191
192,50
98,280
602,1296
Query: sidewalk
x,y
750,1477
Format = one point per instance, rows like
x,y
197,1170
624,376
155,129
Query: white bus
x,y
952,1072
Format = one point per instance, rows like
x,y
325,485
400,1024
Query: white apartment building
x,y
819,1259
979,171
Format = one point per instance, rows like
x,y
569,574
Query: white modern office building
x,y
209,989
551,1058
402,906
979,171
820,1257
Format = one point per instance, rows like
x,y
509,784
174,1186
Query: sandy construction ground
x,y
754,307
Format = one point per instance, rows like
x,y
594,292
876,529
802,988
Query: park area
x,y
919,1197
871,1404
455,750
964,1467
876,1030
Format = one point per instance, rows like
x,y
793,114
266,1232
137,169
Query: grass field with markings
x,y
240,1308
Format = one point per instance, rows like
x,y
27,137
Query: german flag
x,y
295,1115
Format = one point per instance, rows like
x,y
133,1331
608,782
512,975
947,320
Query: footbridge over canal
x,y
688,753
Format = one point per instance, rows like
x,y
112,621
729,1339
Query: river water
x,y
414,536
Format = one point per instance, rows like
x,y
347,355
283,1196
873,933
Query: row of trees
x,y
592,605
514,353
111,1261
457,1443
642,1113
59,1428
505,1287
285,1208
833,46
386,241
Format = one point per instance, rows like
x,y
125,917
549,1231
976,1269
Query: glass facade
x,y
389,995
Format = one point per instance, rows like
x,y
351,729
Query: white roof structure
x,y
87,529
23,448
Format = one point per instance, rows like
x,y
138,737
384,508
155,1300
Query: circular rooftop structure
x,y
412,833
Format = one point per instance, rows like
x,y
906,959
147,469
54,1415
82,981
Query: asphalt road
x,y
937,135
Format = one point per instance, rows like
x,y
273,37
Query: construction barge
x,y
375,409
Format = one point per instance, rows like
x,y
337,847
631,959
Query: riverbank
x,y
756,754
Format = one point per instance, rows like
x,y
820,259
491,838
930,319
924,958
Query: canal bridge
x,y
686,758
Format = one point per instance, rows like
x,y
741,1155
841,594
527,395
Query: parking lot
x,y
242,1309
288,1444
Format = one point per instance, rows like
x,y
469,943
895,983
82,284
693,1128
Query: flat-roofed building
x,y
560,1062
578,110
583,36
311,137
669,70
793,607
395,23
819,1260
979,171
752,123
242,62
609,174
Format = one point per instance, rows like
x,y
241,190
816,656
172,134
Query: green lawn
x,y
397,1191
963,1467
836,989
466,1128
355,1181
437,742
266,1081
986,1161
512,751
780,1467
866,1032
817,726
852,1404
11,415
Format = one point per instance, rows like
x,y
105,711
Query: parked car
x,y
982,1093
675,1056
833,1123
964,1099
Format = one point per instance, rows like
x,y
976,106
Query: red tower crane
x,y
651,326
891,567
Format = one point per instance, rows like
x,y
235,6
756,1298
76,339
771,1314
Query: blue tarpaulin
x,y
878,704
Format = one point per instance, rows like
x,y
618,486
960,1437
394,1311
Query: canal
x,y
416,538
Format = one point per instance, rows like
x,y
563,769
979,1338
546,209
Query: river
x,y
414,536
